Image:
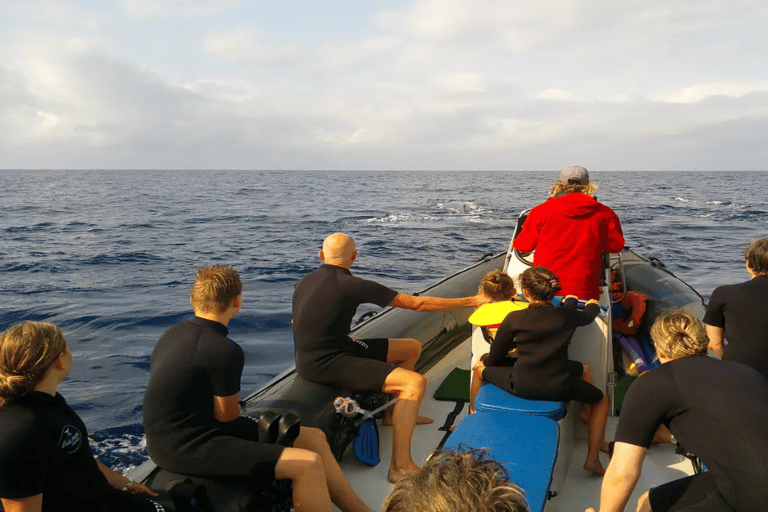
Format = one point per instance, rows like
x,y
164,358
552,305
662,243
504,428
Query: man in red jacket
x,y
570,231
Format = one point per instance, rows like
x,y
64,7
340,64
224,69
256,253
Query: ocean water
x,y
109,256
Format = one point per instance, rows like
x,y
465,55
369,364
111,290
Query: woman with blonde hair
x,y
716,409
45,460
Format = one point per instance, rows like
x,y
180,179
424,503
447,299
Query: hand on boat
x,y
135,487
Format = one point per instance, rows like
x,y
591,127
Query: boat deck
x,y
580,489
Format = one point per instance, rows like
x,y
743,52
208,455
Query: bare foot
x,y
395,475
421,420
594,467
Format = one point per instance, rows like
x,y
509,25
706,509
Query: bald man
x,y
324,304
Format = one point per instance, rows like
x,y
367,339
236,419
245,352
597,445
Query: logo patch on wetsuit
x,y
71,439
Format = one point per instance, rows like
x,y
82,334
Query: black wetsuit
x,y
717,410
542,370
44,449
192,362
324,304
742,311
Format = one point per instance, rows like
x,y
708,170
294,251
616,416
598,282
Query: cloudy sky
x,y
373,84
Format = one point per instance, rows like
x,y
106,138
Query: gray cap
x,y
574,172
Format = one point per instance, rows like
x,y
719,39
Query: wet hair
x,y
561,188
677,334
540,283
27,351
498,286
215,288
455,481
757,256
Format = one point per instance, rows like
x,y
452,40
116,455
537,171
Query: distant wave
x,y
462,207
117,259
401,218
713,202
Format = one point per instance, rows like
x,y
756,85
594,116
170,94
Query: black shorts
x,y
579,391
694,493
233,450
363,366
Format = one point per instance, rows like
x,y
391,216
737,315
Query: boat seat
x,y
525,444
230,494
492,398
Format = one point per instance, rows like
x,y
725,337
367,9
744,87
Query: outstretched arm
x,y
621,477
417,303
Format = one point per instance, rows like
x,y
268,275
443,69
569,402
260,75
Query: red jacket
x,y
570,234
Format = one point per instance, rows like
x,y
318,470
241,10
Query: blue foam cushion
x,y
492,398
526,445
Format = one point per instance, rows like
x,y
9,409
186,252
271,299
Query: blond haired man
x,y
192,414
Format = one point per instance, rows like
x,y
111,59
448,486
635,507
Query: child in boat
x,y
45,460
500,288
542,370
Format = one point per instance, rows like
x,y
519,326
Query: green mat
x,y
622,386
455,386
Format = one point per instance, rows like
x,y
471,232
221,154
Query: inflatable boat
x,y
536,446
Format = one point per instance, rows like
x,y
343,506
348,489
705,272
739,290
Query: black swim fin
x,y
269,423
288,429
366,442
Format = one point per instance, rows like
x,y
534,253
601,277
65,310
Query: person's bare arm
x,y
30,504
122,482
716,339
417,303
621,477
226,408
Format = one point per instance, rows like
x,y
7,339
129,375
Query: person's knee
x,y
478,367
299,463
415,388
412,347
644,503
312,439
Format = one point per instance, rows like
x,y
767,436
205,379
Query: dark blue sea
x,y
109,256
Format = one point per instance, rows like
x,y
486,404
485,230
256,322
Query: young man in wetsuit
x,y
192,414
739,313
324,304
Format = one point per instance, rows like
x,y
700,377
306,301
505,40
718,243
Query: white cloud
x,y
555,94
164,8
243,46
462,82
434,84
698,92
